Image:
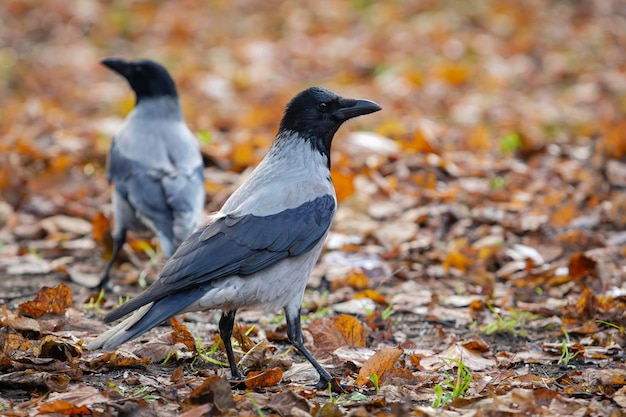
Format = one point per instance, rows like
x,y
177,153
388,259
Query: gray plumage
x,y
259,249
154,163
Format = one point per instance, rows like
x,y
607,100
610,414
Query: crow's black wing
x,y
239,245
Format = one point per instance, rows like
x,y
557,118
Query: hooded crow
x,y
259,249
154,163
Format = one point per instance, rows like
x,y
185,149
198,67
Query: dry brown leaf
x,y
199,411
584,310
473,359
338,331
65,408
19,323
214,390
12,341
264,378
580,266
29,380
119,359
55,347
255,356
49,301
399,375
286,402
381,362
612,376
101,230
457,260
177,375
183,335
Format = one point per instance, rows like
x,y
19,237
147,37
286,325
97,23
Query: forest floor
x,y
477,263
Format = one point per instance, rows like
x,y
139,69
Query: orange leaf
x,y
351,328
419,143
265,378
425,180
581,266
453,72
457,260
62,163
177,375
101,227
378,364
564,215
49,301
243,155
332,333
479,139
183,335
372,295
613,144
356,280
64,407
343,182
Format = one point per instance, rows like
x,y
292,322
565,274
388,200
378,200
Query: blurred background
x,y
462,74
509,104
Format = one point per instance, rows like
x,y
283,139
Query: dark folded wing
x,y
238,245
163,197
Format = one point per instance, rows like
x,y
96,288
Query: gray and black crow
x,y
154,163
259,249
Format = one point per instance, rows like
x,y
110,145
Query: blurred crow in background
x,y
154,163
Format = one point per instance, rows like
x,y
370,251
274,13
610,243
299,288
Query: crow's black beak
x,y
352,108
118,65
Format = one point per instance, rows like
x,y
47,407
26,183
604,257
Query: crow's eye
x,y
322,107
138,68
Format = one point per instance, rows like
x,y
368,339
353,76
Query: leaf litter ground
x,y
481,221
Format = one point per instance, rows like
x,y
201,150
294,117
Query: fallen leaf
x,y
356,280
381,362
580,266
177,375
255,357
284,403
214,390
20,323
65,408
101,231
183,335
457,260
11,341
335,332
473,359
264,378
200,411
55,347
29,380
49,301
372,295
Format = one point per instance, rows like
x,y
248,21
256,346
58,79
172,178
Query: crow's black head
x,y
316,114
147,78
